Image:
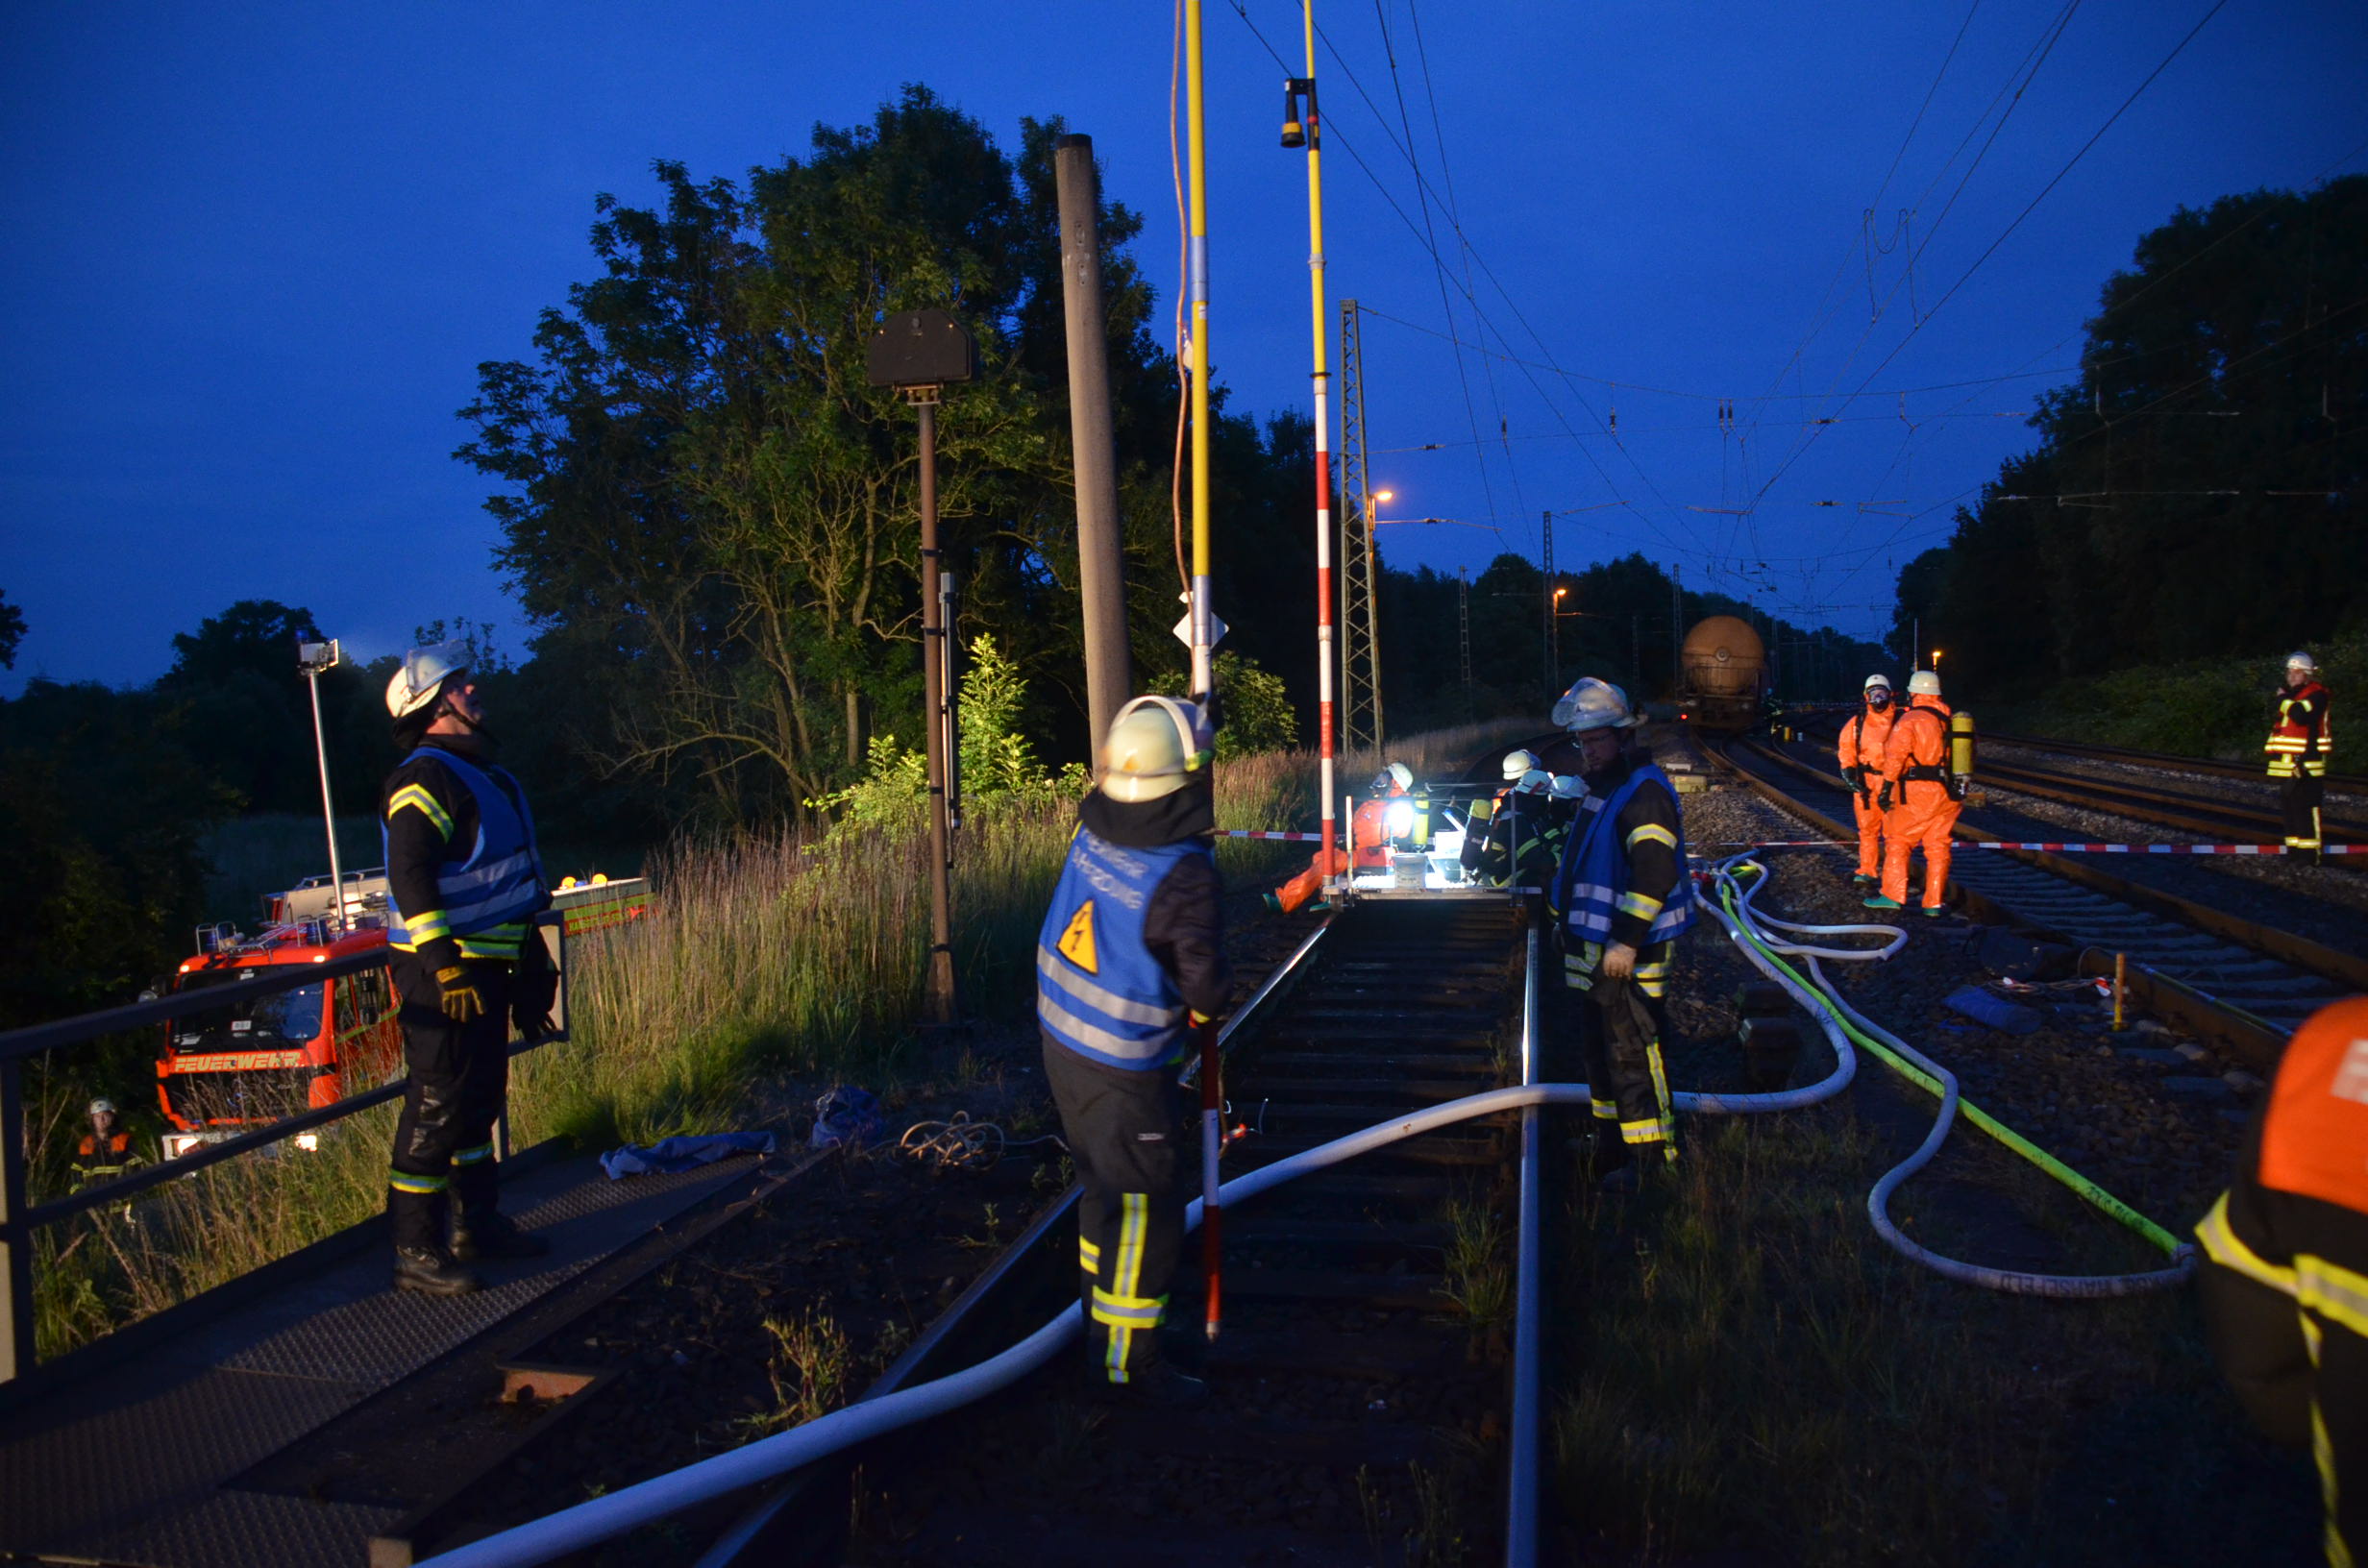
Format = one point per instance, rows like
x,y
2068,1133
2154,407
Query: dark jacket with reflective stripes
x,y
2300,737
420,846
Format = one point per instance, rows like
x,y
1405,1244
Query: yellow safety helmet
x,y
1155,745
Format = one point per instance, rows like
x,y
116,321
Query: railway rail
x,y
1363,1394
2237,982
2157,761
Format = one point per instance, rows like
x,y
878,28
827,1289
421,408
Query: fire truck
x,y
272,1055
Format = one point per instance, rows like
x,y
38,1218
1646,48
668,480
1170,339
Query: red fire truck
x,y
276,1054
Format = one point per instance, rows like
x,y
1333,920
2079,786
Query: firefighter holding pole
x,y
467,882
1129,964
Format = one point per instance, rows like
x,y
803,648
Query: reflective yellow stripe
x,y
1651,833
1088,1256
2323,1453
1644,908
1126,1312
417,795
2333,1292
1660,1089
1604,1110
471,1157
423,929
1134,1221
1655,987
402,1181
1641,1132
2222,1246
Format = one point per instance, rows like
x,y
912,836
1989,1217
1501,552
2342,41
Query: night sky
x,y
256,251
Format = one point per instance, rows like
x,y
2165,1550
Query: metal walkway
x,y
140,1463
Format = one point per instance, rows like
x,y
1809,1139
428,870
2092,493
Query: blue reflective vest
x,y
1099,990
1593,878
491,891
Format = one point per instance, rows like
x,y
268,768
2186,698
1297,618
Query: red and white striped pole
x,y
1212,1144
1322,382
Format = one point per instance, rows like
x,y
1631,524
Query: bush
x,y
1256,707
2201,708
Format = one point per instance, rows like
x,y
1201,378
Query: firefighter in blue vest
x,y
466,882
1132,955
1621,898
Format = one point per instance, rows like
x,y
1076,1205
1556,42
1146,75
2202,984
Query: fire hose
x,y
1733,885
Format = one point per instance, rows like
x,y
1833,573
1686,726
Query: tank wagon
x,y
1724,675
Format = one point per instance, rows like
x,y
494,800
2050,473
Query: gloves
x,y
460,999
1883,796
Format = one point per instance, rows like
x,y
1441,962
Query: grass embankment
x,y
762,959
2205,708
1751,1376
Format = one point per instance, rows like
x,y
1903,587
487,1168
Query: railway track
x,y
2157,761
2237,982
1361,1390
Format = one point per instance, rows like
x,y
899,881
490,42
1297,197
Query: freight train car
x,y
1724,675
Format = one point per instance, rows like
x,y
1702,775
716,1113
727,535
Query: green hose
x,y
2008,1135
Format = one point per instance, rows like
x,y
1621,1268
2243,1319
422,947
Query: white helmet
x,y
1537,781
1518,763
2300,659
1924,684
422,675
100,1107
1878,678
1568,787
1155,744
1594,705
1398,775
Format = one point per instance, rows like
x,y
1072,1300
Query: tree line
x,y
2197,491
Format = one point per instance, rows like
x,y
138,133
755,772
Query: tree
x,y
706,500
2197,491
11,632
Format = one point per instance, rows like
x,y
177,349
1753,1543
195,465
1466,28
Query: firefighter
x,y
2285,1287
1860,752
1131,956
1622,899
1370,833
466,881
105,1152
1481,827
1918,797
2299,742
1507,833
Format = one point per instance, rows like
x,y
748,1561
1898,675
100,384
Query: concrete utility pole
x,y
1102,576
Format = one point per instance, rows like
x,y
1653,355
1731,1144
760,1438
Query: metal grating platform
x,y
129,1466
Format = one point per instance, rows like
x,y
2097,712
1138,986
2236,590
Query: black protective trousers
x,y
459,1086
2303,799
1123,1130
1621,1025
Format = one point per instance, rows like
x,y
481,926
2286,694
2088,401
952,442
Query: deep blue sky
x,y
258,250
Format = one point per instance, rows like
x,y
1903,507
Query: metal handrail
x,y
19,1218
1528,1329
17,1043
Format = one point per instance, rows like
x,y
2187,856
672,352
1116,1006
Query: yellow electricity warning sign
x,y
1076,944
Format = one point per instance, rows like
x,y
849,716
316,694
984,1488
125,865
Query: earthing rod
x,y
1197,268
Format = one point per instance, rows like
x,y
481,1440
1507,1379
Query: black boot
x,y
489,1233
428,1272
421,1262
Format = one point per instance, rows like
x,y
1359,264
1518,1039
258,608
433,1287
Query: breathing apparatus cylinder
x,y
1961,751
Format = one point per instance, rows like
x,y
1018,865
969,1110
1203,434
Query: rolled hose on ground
x,y
1733,906
602,1518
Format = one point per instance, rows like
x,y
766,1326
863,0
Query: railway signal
x,y
921,353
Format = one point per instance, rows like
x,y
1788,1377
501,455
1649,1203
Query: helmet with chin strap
x,y
1924,684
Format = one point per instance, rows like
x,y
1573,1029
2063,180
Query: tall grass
x,y
762,957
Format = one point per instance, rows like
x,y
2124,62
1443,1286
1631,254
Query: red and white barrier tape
x,y
2273,850
1248,833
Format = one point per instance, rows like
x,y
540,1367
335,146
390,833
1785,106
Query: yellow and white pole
x,y
1322,381
1196,272
1203,616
